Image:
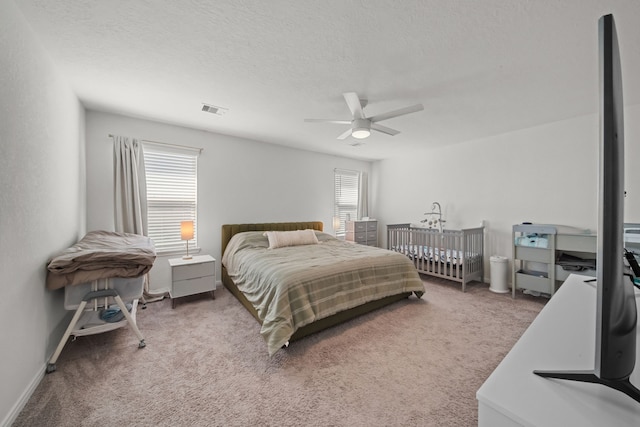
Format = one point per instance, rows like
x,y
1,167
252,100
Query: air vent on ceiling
x,y
220,111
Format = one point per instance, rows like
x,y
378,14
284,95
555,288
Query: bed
x,y
294,291
449,254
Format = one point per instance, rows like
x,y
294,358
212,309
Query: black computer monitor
x,y
616,312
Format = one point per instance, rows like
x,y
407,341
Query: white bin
x,y
499,267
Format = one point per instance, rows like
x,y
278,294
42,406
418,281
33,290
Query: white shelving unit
x,y
545,274
542,279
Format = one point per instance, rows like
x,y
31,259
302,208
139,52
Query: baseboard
x,y
24,398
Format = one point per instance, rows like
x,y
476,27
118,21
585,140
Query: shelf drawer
x,y
577,243
372,236
191,271
534,254
562,274
192,286
357,237
372,226
533,283
356,226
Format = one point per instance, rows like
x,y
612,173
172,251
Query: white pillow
x,y
279,239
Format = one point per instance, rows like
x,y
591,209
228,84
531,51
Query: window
x,y
172,194
346,197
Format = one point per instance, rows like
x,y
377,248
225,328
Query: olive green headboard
x,y
229,230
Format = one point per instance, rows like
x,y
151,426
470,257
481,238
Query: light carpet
x,y
414,363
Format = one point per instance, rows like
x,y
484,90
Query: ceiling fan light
x,y
360,133
360,128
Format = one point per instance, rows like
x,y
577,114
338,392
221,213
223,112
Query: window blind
x,y
172,194
346,197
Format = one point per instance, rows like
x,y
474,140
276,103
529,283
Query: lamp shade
x,y
336,223
186,230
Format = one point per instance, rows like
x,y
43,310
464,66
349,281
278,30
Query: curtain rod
x,y
168,144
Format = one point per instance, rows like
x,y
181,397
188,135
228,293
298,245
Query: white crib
x,y
451,254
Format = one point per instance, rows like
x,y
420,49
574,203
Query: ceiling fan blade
x,y
384,129
340,122
396,113
345,135
354,105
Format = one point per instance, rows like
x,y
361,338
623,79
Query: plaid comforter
x,y
293,286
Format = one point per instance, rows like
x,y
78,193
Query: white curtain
x,y
363,195
130,193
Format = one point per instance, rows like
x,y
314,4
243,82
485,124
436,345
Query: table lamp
x,y
186,233
336,224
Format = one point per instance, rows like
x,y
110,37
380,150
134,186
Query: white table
x,y
562,337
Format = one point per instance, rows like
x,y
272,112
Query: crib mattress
x,y
449,256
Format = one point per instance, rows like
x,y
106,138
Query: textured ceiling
x,y
480,67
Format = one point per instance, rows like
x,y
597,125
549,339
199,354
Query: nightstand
x,y
192,276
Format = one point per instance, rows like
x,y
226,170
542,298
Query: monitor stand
x,y
623,385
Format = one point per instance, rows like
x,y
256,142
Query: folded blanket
x,y
533,241
101,255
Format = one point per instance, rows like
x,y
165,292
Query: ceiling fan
x,y
362,125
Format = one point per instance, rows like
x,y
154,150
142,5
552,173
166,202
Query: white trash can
x,y
499,267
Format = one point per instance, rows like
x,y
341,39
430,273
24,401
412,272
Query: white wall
x,y
41,203
239,181
546,174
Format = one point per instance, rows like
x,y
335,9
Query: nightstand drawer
x,y
192,271
372,226
198,285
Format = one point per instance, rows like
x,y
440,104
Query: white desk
x,y
562,337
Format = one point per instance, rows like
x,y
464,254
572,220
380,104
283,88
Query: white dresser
x,y
364,232
561,338
192,276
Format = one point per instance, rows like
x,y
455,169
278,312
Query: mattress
x,y
449,256
291,287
